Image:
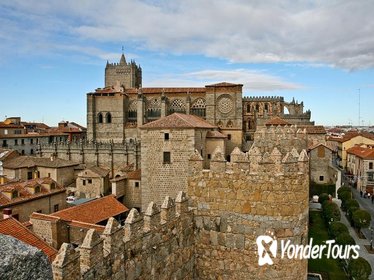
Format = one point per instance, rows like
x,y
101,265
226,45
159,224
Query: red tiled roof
x,y
134,175
166,90
224,84
313,129
351,134
12,227
276,121
178,120
23,193
215,134
30,161
93,211
361,152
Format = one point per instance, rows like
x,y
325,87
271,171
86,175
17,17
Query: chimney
x,y
7,213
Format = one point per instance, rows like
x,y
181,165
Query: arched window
x,y
100,118
198,108
153,108
177,105
131,111
37,189
108,118
248,108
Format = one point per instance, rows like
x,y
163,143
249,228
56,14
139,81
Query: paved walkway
x,y
362,242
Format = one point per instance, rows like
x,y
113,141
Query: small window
x,y
22,141
31,141
248,108
49,175
39,211
108,118
166,136
209,156
84,182
137,184
53,186
370,165
166,157
16,142
37,189
228,136
29,175
321,178
23,152
89,181
100,118
16,216
32,151
55,208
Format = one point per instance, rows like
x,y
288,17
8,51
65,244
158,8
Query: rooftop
x,y
94,211
94,171
29,161
362,152
276,121
23,190
12,227
215,134
178,120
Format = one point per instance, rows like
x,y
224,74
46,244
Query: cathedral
x,y
117,111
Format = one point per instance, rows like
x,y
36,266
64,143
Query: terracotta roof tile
x,y
23,193
12,227
29,161
361,152
178,120
313,129
134,175
215,134
93,211
224,84
166,90
276,121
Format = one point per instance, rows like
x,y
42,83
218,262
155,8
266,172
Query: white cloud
x,y
251,80
337,33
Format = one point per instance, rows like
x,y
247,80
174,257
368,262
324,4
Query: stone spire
x,y
122,60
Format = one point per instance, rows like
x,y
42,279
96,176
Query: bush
x,y
344,196
359,268
323,197
351,203
318,189
344,189
345,239
361,218
331,211
336,228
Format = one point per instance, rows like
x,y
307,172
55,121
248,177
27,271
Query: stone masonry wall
x,y
156,245
256,194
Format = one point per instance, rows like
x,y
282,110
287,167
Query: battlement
x,y
263,98
157,243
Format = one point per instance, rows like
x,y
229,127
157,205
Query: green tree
x,y
323,197
361,218
359,269
345,239
337,228
344,189
331,211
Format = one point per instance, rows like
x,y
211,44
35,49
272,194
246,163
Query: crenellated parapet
x,y
261,192
156,244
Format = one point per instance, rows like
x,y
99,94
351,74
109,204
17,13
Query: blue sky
x,y
321,52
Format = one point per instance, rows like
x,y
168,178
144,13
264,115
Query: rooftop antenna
x,y
359,107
